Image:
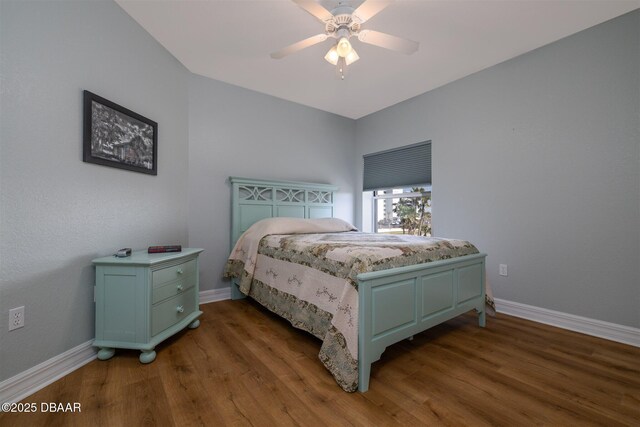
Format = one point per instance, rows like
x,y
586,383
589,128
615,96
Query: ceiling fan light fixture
x,y
332,56
344,47
351,57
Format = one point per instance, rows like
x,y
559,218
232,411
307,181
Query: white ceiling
x,y
230,41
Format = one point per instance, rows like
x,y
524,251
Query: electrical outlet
x,y
16,318
503,270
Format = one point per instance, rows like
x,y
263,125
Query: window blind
x,y
398,167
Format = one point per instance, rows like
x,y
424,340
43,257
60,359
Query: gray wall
x,y
58,213
537,161
238,132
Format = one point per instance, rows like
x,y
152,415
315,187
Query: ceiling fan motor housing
x,y
342,25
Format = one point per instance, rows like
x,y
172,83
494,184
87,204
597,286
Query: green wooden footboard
x,y
398,303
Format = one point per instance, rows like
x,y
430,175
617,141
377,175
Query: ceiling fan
x,y
342,23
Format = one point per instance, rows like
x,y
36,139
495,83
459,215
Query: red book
x,y
163,249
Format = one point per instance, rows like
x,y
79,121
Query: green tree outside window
x,y
413,213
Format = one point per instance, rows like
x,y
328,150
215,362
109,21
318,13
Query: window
x,y
391,186
403,211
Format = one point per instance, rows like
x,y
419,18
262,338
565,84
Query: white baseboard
x,y
593,327
28,382
214,295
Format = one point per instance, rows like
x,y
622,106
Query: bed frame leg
x,y
482,318
364,371
235,291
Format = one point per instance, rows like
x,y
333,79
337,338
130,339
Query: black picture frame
x,y
118,137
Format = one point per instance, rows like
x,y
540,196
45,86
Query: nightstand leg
x,y
147,356
106,353
194,324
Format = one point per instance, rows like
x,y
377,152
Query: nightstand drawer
x,y
172,288
171,311
169,274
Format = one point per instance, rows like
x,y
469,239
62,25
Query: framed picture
x,y
118,137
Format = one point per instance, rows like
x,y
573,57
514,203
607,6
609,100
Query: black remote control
x,y
123,253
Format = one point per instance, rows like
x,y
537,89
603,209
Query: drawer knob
x,y
179,287
179,271
180,309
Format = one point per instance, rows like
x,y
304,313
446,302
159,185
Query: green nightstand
x,y
143,299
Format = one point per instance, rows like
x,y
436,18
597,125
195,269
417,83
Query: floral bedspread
x,y
310,279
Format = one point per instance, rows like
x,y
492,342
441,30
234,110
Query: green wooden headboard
x,y
256,199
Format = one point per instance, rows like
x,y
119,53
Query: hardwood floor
x,y
245,366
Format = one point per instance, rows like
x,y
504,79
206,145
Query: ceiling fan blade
x,y
388,41
369,8
299,46
315,9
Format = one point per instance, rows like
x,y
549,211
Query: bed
x,y
377,306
